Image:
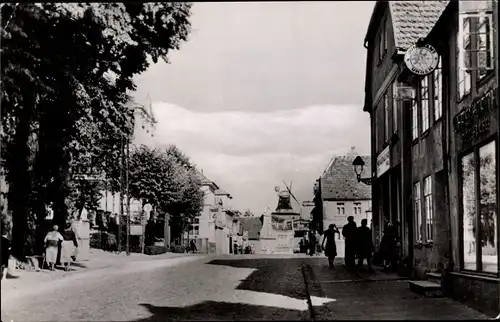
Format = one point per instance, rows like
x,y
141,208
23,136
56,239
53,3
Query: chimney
x,y
352,151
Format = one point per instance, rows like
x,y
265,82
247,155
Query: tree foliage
x,y
67,71
166,181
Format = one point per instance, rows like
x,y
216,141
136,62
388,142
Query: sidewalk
x,y
99,261
378,296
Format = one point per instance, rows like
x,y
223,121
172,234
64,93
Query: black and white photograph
x,y
237,161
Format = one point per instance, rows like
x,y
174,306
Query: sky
x,y
263,92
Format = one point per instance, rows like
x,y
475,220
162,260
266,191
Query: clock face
x,y
421,60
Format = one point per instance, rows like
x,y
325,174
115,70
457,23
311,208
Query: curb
x,y
309,301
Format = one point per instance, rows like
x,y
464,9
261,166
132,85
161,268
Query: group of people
x,y
358,244
67,242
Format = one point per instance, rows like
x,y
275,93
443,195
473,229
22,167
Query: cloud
x,y
248,153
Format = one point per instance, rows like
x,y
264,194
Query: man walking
x,y
312,243
349,232
365,245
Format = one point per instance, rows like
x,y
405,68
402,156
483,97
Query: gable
x,y
339,181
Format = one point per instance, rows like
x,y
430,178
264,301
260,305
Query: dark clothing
x,y
312,244
349,232
69,235
364,242
5,251
331,247
388,245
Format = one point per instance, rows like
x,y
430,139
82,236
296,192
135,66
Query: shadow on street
x,y
210,310
277,276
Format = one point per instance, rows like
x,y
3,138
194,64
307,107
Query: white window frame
x,y
386,117
429,209
464,71
395,106
357,208
417,211
424,102
438,91
488,44
414,123
340,208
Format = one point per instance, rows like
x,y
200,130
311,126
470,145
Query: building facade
x,y
338,195
447,140
398,148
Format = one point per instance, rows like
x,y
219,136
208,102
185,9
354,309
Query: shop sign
x,y
473,123
135,230
308,204
421,60
383,161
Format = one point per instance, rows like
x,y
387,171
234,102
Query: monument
x,y
277,233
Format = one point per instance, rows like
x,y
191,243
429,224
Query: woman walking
x,y
69,246
51,241
331,247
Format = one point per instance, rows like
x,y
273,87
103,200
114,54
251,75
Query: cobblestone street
x,y
243,287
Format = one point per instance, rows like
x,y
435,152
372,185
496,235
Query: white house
x,y
342,195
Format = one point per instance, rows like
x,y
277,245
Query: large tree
x,y
67,71
168,181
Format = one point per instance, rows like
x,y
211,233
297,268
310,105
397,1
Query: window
x,y
340,208
438,92
418,212
429,218
376,128
196,220
475,42
424,102
414,120
484,45
395,107
464,73
479,209
386,117
382,44
357,208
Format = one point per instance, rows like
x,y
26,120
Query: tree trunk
x,y
20,181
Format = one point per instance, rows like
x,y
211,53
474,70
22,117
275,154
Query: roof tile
x,y
339,180
414,19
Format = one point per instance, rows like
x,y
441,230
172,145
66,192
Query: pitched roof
x,y
339,182
411,20
205,180
220,192
252,225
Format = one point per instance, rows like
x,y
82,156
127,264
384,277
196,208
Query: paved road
x,y
223,288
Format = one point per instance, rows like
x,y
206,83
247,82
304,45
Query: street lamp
x,y
358,165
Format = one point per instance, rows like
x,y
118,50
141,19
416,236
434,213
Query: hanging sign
x,y
421,60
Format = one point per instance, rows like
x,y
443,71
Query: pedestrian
x,y
5,254
331,247
51,242
364,245
312,243
69,246
235,249
193,247
388,248
349,233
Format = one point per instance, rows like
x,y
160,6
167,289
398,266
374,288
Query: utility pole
x,y
128,196
121,197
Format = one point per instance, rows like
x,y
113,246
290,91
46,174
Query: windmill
x,y
291,193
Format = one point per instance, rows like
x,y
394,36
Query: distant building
x,y
338,194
